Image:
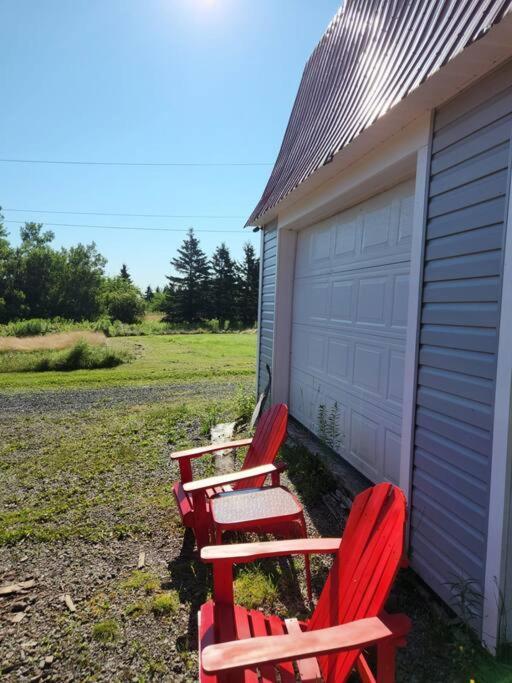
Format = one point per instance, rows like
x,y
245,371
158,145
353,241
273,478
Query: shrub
x,y
125,305
81,356
27,328
212,325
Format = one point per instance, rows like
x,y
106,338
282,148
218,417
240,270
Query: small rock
x,y
16,617
49,659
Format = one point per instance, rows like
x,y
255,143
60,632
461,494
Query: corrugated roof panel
x,y
372,55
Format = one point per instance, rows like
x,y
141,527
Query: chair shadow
x,y
192,581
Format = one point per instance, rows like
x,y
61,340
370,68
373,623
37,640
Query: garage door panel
x,y
369,365
349,328
370,299
364,444
395,379
339,359
368,371
400,301
369,234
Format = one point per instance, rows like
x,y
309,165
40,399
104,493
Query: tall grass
x,y
113,328
81,356
50,342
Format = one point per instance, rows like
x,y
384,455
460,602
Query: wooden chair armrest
x,y
211,448
230,478
239,553
252,652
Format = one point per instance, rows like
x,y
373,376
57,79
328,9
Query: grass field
x,y
159,359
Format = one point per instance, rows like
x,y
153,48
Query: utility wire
x,y
137,163
134,215
127,227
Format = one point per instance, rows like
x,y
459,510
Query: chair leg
x,y
306,559
201,520
386,662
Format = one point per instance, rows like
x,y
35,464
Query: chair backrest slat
x,y
364,569
268,438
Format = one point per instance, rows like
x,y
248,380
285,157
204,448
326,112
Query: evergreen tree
x,y
125,274
223,285
187,295
148,296
248,286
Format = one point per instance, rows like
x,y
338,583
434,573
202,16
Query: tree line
x,y
38,280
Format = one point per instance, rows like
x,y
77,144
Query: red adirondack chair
x,y
193,497
237,644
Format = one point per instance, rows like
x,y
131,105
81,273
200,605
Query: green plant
x,y
209,419
165,603
212,325
244,403
254,588
141,580
328,430
106,631
135,609
466,599
81,356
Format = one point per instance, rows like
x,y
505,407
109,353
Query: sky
x,y
147,81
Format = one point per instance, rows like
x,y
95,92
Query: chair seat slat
x,y
309,670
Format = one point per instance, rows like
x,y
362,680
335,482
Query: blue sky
x,y
147,81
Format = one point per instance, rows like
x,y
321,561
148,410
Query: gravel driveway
x,y
71,400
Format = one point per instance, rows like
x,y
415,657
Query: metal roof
x,y
373,54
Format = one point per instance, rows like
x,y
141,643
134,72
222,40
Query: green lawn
x,y
165,359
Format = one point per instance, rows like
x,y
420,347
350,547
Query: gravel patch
x,y
72,400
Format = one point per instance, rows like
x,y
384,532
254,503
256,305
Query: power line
x,y
138,163
133,215
127,227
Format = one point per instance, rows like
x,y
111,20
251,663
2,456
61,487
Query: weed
x,y
135,609
141,580
106,631
165,603
209,419
254,588
466,599
244,403
328,430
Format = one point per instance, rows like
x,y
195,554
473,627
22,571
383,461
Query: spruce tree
x,y
148,295
248,286
187,295
223,285
125,274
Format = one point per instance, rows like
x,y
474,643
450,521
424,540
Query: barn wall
x,y
267,303
459,324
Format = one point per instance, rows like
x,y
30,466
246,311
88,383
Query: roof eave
x,y
475,61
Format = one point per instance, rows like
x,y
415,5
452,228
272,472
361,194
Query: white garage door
x,y
349,327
